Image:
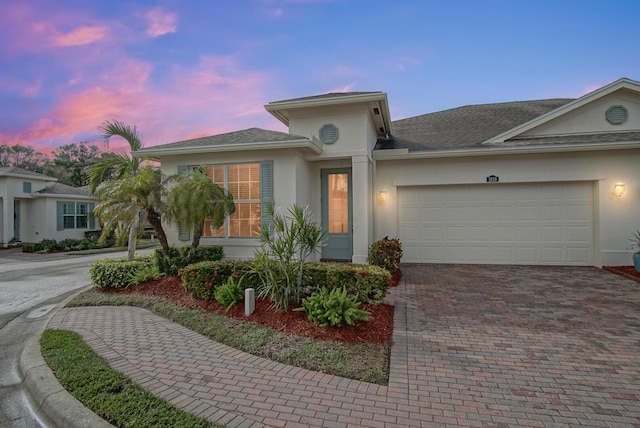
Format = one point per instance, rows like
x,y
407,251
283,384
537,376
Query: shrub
x,y
333,308
290,240
116,273
29,248
47,245
201,279
229,293
92,235
367,283
386,253
179,257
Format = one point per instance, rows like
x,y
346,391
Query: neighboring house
x,y
34,207
533,182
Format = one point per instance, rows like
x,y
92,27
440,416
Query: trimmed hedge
x,y
178,257
367,283
117,273
49,245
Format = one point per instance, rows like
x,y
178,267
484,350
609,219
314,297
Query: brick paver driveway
x,y
538,346
472,346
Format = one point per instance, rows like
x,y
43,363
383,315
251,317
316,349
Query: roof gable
x,y
567,112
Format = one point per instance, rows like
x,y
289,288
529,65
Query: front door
x,y
337,218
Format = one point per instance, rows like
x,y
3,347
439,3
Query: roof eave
x,y
305,144
30,177
61,196
403,154
276,108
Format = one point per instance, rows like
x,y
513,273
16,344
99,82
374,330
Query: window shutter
x,y
266,192
183,233
59,215
92,219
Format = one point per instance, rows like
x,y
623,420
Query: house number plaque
x,y
493,179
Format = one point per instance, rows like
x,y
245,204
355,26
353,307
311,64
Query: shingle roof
x,y
605,137
245,136
14,170
63,189
464,127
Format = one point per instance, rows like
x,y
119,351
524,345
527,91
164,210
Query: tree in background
x,y
71,163
23,157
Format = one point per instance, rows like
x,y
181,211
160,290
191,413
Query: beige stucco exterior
x,y
362,120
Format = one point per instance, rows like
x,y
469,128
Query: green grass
x,y
365,362
109,394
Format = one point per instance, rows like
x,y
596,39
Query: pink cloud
x,y
216,95
83,35
160,22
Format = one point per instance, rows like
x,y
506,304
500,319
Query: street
x,y
31,285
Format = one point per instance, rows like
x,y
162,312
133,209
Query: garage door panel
x,y
542,223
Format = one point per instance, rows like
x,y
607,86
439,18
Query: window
x,y
73,215
243,181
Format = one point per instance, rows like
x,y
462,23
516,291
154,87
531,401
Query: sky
x,y
184,69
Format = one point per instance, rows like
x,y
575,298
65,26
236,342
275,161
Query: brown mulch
x,y
626,271
378,329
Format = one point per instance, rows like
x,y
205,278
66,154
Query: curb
x,y
46,394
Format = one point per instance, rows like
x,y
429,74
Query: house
x,y
549,182
34,207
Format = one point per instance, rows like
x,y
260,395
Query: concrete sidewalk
x,y
472,346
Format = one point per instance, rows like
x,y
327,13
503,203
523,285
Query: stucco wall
x,y
591,117
292,177
615,218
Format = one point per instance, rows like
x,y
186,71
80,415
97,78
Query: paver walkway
x,y
473,346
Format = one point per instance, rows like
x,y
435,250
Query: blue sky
x,y
183,69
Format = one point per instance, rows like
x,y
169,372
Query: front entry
x,y
337,217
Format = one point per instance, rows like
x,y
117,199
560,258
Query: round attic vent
x,y
616,115
328,133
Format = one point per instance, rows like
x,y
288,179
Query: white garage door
x,y
537,223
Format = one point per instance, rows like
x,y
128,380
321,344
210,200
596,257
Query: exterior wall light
x,y
618,189
383,196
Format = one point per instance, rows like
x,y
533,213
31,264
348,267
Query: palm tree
x,y
123,200
119,166
192,199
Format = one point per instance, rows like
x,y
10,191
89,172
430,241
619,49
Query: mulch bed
x,y
626,271
378,329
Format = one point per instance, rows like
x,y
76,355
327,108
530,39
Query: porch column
x,y
7,220
362,222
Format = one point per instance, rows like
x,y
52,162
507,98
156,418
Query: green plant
x,y
179,257
286,245
116,273
143,274
229,294
333,308
386,253
366,282
29,248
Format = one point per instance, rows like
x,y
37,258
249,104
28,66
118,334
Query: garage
x,y
498,223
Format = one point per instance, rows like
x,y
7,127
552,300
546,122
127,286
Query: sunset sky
x,y
184,69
